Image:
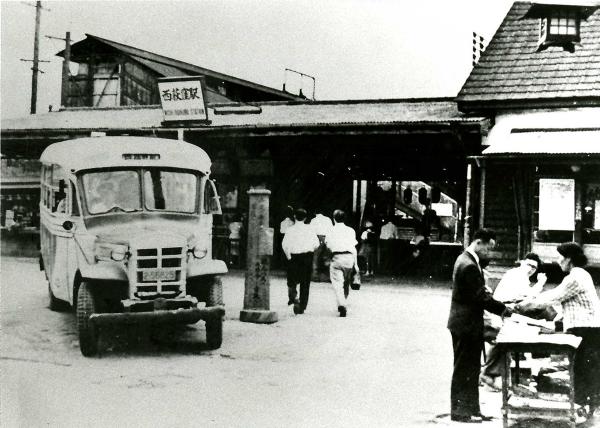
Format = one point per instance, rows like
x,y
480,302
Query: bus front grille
x,y
158,272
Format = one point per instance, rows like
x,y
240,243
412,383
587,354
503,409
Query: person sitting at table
x,y
581,317
517,284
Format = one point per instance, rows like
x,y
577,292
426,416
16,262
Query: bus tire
x,y
88,333
214,333
214,291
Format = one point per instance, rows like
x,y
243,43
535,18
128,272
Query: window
x,y
112,191
212,205
170,191
563,24
560,27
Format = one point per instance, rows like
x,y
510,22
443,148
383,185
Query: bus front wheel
x,y
88,332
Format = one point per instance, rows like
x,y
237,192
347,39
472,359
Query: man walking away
x,y
469,299
299,243
341,241
322,225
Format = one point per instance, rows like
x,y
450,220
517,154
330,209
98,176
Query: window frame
x,y
548,38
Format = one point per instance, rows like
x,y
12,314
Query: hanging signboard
x,y
557,204
182,99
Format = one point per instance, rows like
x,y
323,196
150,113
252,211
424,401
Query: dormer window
x,y
560,27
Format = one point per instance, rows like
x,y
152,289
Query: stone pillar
x,y
259,252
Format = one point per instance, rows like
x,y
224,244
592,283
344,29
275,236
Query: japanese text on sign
x,y
182,100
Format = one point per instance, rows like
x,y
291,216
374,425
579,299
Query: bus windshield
x,y
129,190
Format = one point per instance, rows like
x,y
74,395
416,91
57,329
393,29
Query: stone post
x,y
259,251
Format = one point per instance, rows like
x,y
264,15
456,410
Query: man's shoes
x,y
485,418
298,310
466,419
342,311
293,302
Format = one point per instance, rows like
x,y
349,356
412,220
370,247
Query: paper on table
x,y
531,321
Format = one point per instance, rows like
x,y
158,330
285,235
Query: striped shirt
x,y
578,297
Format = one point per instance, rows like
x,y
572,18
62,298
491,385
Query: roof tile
x,y
511,68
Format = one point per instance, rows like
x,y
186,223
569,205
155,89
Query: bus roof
x,y
122,151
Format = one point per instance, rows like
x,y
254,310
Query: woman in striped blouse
x,y
581,316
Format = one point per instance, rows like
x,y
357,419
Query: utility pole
x,y
66,72
36,56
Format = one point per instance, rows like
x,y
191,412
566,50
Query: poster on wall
x,y
557,204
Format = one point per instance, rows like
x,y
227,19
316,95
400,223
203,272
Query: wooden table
x,y
559,343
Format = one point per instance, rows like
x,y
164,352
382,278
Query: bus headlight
x,y
118,253
108,251
200,251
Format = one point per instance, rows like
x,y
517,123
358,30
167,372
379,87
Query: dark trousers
x,y
587,366
299,272
464,390
319,258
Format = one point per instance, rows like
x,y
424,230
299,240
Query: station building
x,y
377,159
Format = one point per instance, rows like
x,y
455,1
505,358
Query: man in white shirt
x,y
341,241
515,285
299,243
322,225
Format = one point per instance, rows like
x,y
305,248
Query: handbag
x,y
355,285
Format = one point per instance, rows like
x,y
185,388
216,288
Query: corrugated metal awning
x,y
574,141
545,132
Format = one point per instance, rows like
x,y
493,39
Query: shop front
x,y
542,171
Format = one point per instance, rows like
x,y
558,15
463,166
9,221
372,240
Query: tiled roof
x,y
267,115
512,70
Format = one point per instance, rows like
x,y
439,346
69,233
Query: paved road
x,y
387,364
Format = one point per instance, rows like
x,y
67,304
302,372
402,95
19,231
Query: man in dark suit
x,y
469,299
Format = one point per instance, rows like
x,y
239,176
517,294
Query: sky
x,y
355,49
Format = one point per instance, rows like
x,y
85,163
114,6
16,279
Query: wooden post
x,y
259,251
36,57
64,90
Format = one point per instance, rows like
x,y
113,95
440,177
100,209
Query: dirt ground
x,y
388,364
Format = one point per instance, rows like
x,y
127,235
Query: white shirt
x,y
388,231
341,238
321,224
299,238
235,228
515,285
285,224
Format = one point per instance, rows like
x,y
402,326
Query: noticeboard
x,y
557,204
182,99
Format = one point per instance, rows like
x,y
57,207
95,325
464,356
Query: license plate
x,y
158,275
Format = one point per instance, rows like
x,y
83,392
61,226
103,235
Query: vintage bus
x,y
126,234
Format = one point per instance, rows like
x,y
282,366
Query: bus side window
x,y
212,204
60,197
74,204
